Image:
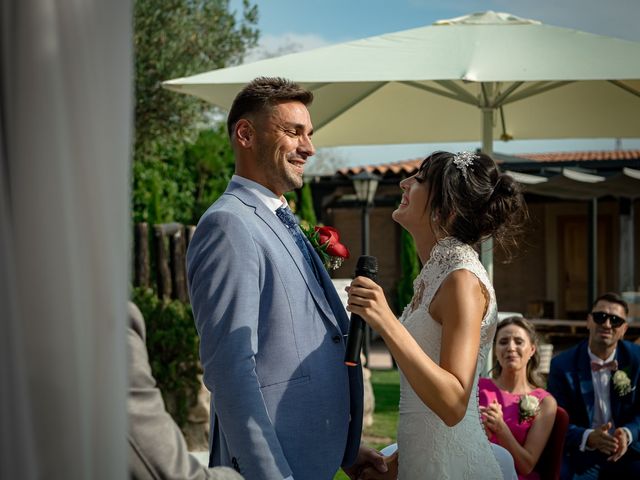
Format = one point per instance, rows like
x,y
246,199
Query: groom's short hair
x,y
261,94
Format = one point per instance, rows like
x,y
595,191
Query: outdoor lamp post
x,y
365,184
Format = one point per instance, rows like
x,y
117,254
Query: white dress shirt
x,y
601,399
266,196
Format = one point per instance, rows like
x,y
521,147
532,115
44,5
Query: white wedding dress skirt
x,y
428,448
504,458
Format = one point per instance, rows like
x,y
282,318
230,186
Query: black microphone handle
x,y
354,341
367,266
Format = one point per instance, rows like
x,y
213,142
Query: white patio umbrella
x,y
482,76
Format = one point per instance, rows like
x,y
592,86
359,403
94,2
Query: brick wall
x,y
523,279
383,243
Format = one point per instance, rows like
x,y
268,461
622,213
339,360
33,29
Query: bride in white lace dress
x,y
442,338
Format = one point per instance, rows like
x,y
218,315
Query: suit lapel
x,y
289,244
330,294
623,360
583,368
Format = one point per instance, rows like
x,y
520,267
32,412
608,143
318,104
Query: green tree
x,y
212,164
410,268
176,38
306,211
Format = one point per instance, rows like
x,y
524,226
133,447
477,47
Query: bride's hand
x,y
492,418
366,298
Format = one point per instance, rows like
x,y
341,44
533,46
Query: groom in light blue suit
x,y
272,327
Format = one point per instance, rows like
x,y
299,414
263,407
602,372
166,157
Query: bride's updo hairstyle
x,y
472,200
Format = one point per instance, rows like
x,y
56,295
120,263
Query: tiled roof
x,y
583,156
409,166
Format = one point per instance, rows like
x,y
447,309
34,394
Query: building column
x,y
626,256
592,252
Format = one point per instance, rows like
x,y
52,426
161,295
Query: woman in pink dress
x,y
517,413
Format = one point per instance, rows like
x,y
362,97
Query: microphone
x,y
366,267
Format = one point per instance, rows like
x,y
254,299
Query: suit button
x,y
336,339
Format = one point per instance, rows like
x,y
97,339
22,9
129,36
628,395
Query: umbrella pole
x,y
486,248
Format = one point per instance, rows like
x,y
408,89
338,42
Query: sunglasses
x,y
601,317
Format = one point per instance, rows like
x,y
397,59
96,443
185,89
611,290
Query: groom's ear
x,y
244,133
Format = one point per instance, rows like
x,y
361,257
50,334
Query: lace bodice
x,y
428,448
448,255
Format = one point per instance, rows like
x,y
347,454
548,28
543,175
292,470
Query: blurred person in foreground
x,y
157,449
441,341
516,411
272,326
596,383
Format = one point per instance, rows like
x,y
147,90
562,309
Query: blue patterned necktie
x,y
289,220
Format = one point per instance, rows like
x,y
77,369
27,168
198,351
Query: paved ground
x,y
380,359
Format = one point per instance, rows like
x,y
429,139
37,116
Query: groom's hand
x,y
367,457
369,473
600,439
623,444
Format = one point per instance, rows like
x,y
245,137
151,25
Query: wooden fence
x,y
160,258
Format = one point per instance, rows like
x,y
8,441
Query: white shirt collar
x,y
266,196
598,360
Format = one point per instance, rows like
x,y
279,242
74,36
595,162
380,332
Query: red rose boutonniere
x,y
326,241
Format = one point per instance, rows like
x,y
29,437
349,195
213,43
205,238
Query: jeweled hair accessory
x,y
464,160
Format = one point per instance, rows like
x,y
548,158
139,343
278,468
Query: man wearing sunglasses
x,y
596,382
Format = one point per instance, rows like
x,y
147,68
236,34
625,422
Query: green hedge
x,y
172,342
410,268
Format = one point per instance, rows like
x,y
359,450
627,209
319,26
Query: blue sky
x,y
294,25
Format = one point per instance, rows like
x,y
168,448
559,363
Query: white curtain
x,y
65,143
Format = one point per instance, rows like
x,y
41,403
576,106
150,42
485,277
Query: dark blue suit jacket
x,y
570,383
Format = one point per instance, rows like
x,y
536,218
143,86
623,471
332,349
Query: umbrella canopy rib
x,y
463,94
625,87
466,97
347,106
502,96
535,89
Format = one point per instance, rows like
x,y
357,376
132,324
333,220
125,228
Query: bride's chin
x,y
398,219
